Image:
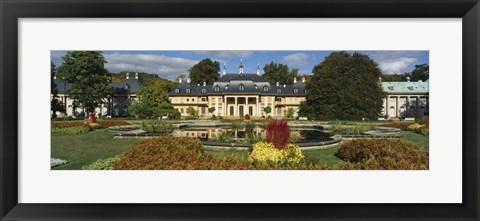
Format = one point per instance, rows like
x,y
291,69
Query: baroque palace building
x,y
239,94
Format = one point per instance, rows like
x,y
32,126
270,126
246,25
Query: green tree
x,y
278,73
267,109
211,110
290,112
153,103
344,86
90,81
192,111
55,104
205,70
421,72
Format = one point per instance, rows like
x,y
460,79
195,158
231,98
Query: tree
x,y
278,73
90,81
205,70
290,112
55,104
192,111
267,109
421,72
153,103
211,110
344,86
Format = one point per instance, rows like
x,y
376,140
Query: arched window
x,y
188,90
279,91
265,88
217,88
203,90
295,90
241,87
177,90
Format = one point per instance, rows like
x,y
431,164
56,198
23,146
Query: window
x,y
204,99
213,100
177,90
188,90
181,110
265,88
295,90
188,100
217,88
241,87
305,90
204,90
220,100
279,91
193,100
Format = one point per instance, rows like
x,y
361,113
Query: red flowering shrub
x,y
92,118
278,133
247,117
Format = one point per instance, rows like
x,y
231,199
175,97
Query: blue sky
x,y
170,64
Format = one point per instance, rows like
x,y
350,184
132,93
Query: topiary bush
x,y
264,153
174,153
247,117
278,133
382,154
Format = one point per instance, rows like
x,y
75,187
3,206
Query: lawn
x,y
418,139
83,149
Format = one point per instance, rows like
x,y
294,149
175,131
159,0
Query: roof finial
x,y
240,71
258,69
224,69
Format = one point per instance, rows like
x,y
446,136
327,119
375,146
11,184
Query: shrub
x,y
267,154
70,130
252,138
414,126
174,153
382,154
159,126
290,112
247,117
224,137
278,133
296,137
398,125
110,123
425,121
103,164
237,125
190,118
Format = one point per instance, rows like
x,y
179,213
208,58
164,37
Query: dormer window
x,y
279,91
265,88
188,90
305,90
203,90
217,88
177,90
410,88
295,90
390,88
241,87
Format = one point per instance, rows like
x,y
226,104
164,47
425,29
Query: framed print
x,y
239,110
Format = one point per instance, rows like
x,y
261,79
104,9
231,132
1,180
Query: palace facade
x,y
238,94
405,99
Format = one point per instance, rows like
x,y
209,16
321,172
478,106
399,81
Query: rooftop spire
x,y
240,71
224,69
258,69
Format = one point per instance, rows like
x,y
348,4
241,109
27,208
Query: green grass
x,y
419,139
83,149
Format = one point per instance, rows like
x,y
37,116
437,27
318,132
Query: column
x,y
417,108
397,107
387,108
246,107
235,108
258,106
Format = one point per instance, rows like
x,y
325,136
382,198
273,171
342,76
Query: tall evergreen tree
x,y
90,81
344,86
205,70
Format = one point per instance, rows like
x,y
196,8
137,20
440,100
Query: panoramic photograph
x,y
239,110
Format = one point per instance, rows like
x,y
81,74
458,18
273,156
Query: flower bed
x,y
99,124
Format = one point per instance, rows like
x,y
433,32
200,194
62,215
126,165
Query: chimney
x,y
128,76
303,79
180,80
136,75
278,83
204,83
188,80
295,80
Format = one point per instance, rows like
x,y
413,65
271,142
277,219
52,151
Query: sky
x,y
170,64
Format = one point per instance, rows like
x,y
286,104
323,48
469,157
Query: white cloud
x,y
163,66
296,60
397,66
227,54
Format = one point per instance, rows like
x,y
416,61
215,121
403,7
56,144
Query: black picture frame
x,y
11,11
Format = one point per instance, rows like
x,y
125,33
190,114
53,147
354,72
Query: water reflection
x,y
212,133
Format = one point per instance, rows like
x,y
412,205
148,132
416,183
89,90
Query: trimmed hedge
x,y
70,130
382,154
398,125
174,153
101,124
